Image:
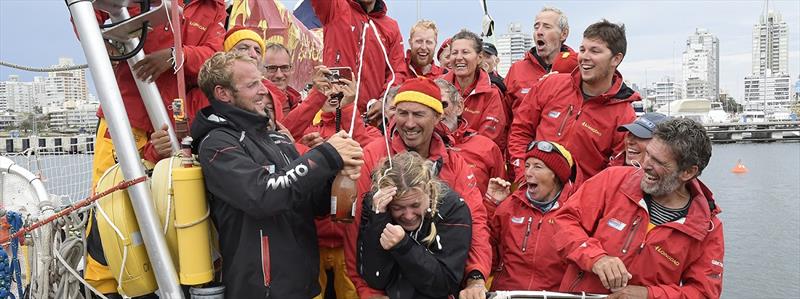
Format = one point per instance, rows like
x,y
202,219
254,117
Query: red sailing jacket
x,y
481,154
522,235
408,71
300,118
331,234
524,74
557,112
608,216
202,34
454,171
342,24
293,99
483,109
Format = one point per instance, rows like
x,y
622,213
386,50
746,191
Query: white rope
x,y
44,69
358,77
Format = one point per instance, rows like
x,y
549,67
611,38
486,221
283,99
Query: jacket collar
x,y
618,93
535,59
696,223
437,152
521,198
484,84
239,118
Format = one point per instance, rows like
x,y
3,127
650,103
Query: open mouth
x,y
650,179
460,66
540,43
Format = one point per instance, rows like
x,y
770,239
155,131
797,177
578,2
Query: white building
x,y
18,96
665,91
9,119
73,117
771,93
511,47
70,84
768,87
701,66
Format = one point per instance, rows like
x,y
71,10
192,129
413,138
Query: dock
x,y
755,132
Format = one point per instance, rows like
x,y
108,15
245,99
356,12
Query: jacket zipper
x,y
564,121
527,234
576,281
266,267
629,238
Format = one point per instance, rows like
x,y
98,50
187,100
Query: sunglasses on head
x,y
544,146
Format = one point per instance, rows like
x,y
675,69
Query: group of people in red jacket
x,y
539,162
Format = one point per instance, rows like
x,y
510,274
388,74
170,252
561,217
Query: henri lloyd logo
x,y
661,251
287,179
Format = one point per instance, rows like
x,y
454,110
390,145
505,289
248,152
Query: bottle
x,y
343,199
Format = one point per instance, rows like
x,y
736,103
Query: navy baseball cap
x,y
644,126
490,48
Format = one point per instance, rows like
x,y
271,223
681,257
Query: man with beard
x,y
647,233
580,110
419,58
258,184
418,109
550,54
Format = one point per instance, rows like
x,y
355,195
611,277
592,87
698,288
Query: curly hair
x,y
410,171
688,141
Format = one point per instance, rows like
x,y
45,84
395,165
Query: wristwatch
x,y
475,275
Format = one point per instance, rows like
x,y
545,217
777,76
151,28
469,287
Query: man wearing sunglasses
x,y
649,232
580,110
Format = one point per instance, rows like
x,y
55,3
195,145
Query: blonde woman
x,y
415,232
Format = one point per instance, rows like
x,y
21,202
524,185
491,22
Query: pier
x,y
755,132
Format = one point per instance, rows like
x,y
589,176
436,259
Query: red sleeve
x,y
363,185
576,219
523,131
300,118
497,170
493,120
480,253
149,153
197,55
326,9
396,57
703,278
495,233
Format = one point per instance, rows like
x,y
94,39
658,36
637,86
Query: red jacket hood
x,y
700,212
378,11
563,63
618,93
484,83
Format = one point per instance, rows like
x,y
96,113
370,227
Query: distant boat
x,y
695,109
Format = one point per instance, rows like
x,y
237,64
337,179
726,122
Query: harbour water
x,y
761,218
760,214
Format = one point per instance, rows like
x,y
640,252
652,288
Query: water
x,y
760,214
761,218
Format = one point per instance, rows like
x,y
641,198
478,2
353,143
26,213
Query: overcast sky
x,y
656,30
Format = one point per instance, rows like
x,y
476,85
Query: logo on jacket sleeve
x,y
554,114
287,179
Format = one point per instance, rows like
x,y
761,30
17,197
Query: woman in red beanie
x,y
522,227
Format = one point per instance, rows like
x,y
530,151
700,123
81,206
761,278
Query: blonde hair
x,y
410,172
217,71
422,25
